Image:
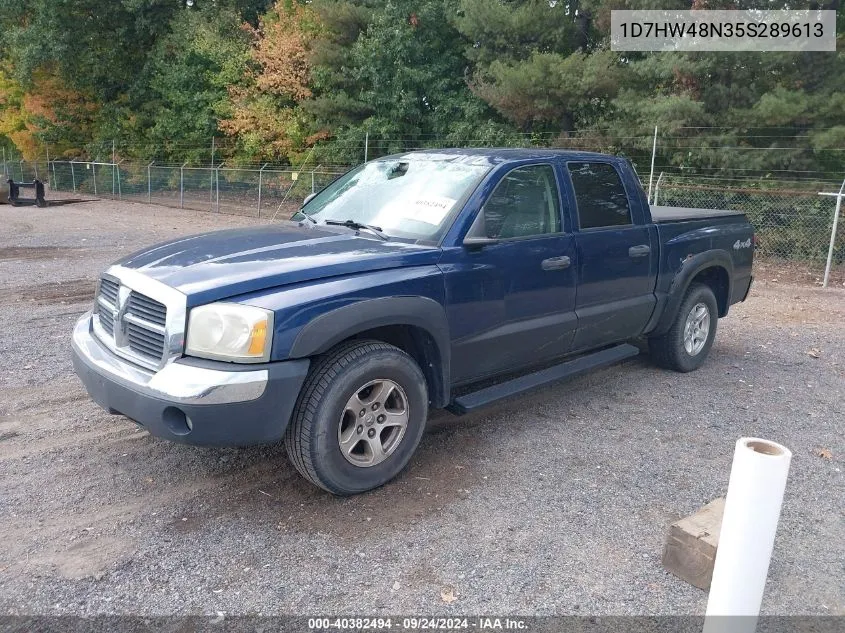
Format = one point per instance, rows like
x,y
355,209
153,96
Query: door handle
x,y
555,263
639,251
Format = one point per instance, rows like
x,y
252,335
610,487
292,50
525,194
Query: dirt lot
x,y
554,503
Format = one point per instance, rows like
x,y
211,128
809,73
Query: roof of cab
x,y
495,155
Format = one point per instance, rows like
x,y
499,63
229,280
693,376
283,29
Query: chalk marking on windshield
x,y
432,209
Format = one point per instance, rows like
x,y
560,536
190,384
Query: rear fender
x,y
690,267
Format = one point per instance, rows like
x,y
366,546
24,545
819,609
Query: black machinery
x,y
14,193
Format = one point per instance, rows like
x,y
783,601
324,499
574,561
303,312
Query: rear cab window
x,y
599,195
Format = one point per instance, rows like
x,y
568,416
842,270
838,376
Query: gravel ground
x,y
554,503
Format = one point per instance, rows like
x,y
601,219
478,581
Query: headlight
x,y
229,331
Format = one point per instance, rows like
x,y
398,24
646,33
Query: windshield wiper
x,y
352,224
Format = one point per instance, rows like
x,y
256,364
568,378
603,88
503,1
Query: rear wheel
x,y
687,343
359,417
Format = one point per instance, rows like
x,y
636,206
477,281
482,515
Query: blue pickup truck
x,y
439,279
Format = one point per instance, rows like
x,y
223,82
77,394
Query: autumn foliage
x,y
265,117
47,107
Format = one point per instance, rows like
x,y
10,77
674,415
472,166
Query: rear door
x,y
616,253
512,303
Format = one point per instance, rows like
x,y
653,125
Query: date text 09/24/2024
x,y
417,623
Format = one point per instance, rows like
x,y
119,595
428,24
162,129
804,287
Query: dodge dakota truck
x,y
438,279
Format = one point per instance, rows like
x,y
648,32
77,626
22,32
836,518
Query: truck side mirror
x,y
308,199
477,238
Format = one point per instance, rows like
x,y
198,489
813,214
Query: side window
x,y
524,203
600,196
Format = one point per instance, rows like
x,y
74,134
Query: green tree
x,y
778,112
514,30
94,46
403,77
537,63
111,52
186,83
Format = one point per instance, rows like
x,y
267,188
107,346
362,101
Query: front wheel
x,y
686,345
359,417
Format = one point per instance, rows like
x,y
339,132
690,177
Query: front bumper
x,y
192,401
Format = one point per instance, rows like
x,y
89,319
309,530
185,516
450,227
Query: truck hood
x,y
224,264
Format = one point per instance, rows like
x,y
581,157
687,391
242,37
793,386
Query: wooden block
x,y
691,545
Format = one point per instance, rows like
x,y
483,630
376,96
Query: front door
x,y
512,303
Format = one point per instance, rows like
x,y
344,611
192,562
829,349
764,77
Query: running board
x,y
481,398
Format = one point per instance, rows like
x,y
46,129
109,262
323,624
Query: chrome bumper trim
x,y
175,382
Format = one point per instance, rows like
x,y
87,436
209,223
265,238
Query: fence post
x,y
94,172
260,177
839,197
217,184
35,166
312,181
653,153
657,188
182,185
149,184
20,167
5,168
366,145
72,175
119,192
55,181
113,169
211,177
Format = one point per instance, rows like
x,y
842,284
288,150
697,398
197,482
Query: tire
x,y
338,451
671,350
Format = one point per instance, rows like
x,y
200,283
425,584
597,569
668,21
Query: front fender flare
x,y
327,330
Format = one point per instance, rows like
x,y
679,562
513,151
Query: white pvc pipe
x,y
750,520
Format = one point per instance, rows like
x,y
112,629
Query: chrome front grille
x,y
135,325
147,309
107,321
143,341
109,290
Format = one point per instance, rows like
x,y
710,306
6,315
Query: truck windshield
x,y
404,198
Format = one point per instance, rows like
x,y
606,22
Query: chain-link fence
x,y
25,171
792,220
261,191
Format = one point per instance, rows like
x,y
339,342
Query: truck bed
x,y
680,214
